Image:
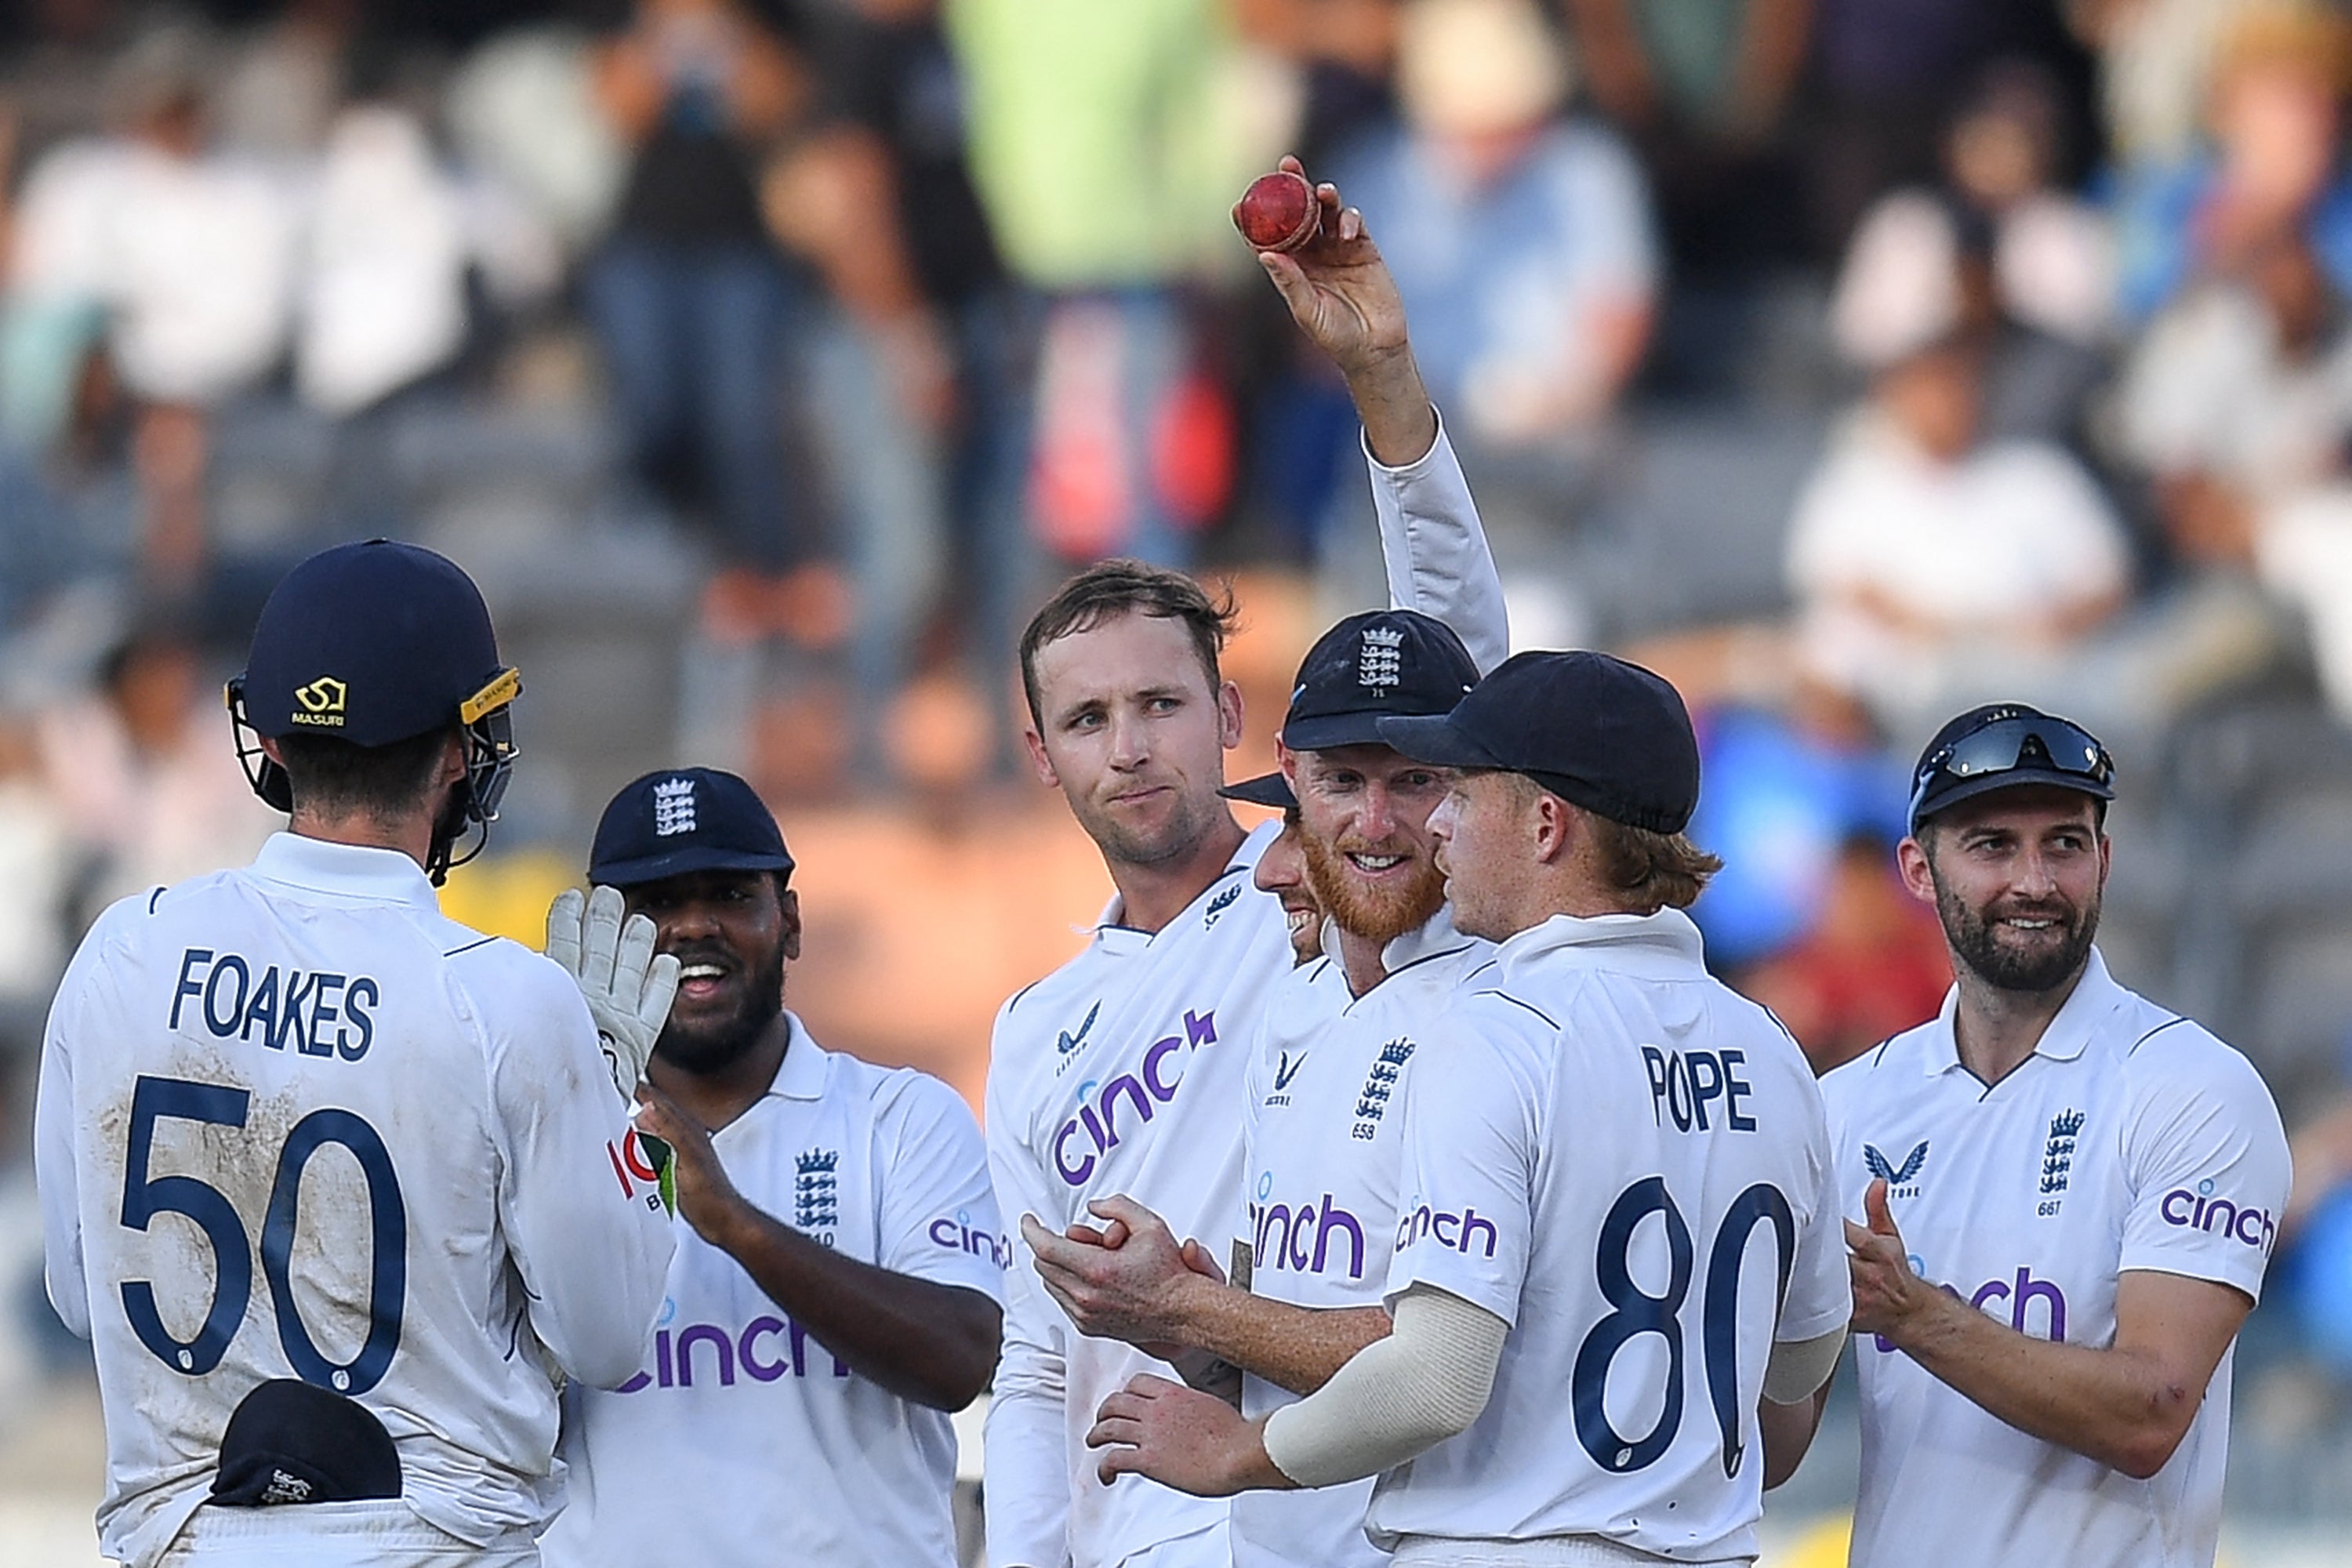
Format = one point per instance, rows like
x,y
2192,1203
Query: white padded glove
x,y
627,986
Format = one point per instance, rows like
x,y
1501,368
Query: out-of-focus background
x,y
766,360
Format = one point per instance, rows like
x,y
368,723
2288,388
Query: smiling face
x,y
2016,878
1134,736
732,932
1282,871
1364,820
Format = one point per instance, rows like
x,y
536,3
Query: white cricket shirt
x,y
1628,1164
1121,1072
293,1123
1322,1162
741,1438
1085,1068
2129,1139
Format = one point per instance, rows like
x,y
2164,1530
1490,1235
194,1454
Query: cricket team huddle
x,y
1390,1183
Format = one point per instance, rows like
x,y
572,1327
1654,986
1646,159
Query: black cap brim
x,y
1332,730
1435,738
2012,778
682,862
1266,789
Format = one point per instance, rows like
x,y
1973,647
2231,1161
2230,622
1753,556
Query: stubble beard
x,y
1187,827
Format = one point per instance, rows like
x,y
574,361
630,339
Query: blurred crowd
x,y
1851,361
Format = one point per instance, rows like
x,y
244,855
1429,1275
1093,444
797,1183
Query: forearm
x,y
1400,420
934,1344
1295,1348
1787,1431
2114,1405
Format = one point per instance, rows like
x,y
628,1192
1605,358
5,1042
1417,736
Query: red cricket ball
x,y
1278,212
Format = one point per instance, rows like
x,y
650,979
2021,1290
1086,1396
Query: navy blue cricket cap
x,y
290,1442
687,819
1597,732
1266,789
374,642
1373,665
2004,745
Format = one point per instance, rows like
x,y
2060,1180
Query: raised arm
x,y
1344,299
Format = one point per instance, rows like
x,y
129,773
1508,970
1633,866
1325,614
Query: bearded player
x,y
1123,1072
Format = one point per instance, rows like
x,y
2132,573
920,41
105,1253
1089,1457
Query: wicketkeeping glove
x,y
628,987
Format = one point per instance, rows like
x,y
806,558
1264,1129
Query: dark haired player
x,y
293,1124
2066,1197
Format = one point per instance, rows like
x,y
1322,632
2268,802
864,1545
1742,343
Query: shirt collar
x,y
801,1075
1664,943
1110,925
1433,935
2065,1038
354,871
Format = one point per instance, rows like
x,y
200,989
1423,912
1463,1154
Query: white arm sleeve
x,y
55,1175
1026,1488
594,1257
1397,1397
1435,549
1799,1367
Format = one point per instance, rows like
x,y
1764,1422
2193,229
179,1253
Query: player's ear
x,y
1038,759
1912,858
1287,761
788,901
1229,715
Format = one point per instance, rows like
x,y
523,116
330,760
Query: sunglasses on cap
x,y
2035,744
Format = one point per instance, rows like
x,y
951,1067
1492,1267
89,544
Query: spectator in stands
x,y
183,257
149,792
1997,250
1704,91
1923,557
1108,164
2238,406
1873,965
693,308
2275,115
1523,245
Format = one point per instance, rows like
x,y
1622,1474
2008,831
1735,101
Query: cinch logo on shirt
x,y
1298,1241
1155,1085
957,1234
768,1348
2021,1290
2201,1210
1455,1230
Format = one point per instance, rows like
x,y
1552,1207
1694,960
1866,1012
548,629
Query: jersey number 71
x,y
145,1196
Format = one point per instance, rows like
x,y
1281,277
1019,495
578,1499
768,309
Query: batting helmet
x,y
374,644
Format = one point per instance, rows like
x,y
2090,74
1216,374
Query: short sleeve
x,y
939,1218
1821,1291
1465,1224
2207,1159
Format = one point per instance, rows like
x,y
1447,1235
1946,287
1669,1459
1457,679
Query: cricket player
x,y
838,1297
1323,1140
1617,1234
1282,868
2061,1198
296,1127
1123,1072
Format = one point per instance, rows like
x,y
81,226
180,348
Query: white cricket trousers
x,y
336,1535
